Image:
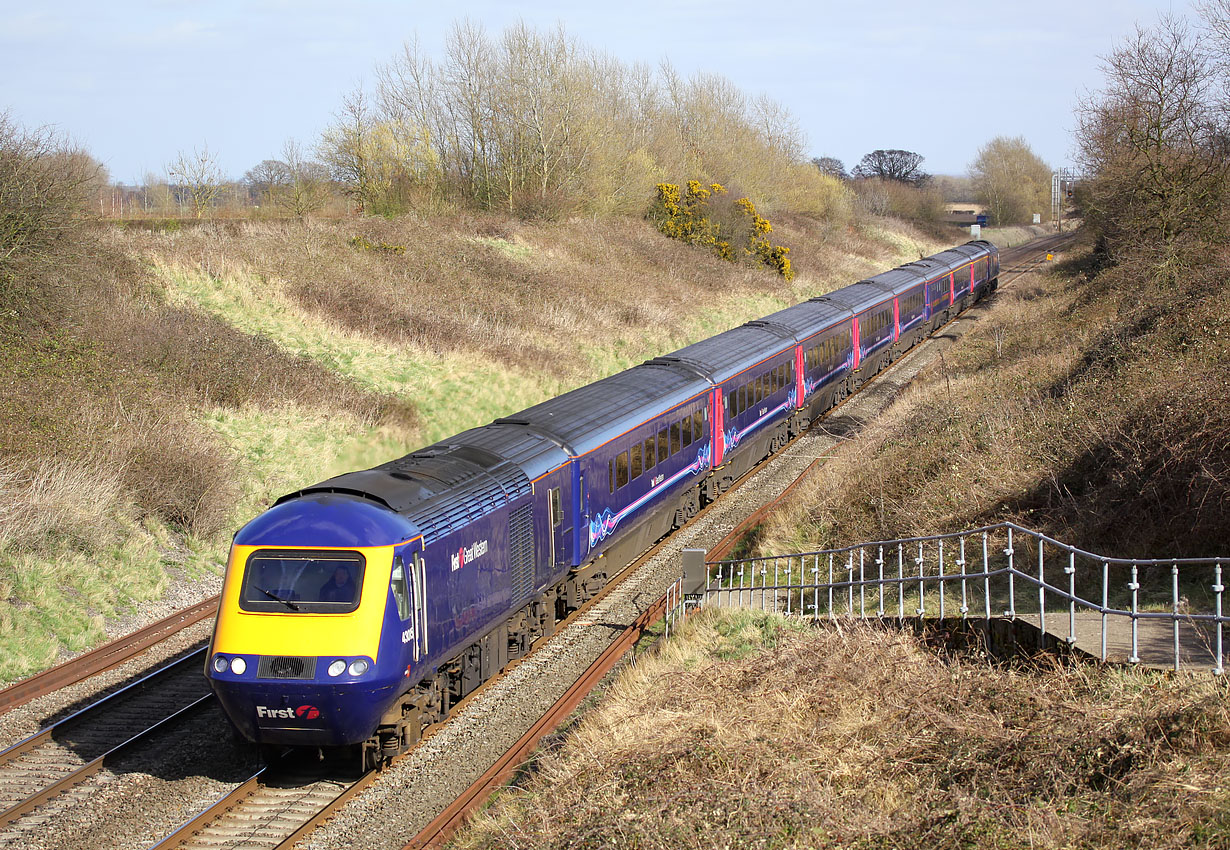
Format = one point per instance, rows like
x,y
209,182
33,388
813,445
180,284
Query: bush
x,y
44,185
731,231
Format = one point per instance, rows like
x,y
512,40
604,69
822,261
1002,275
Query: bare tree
x,y
306,188
346,148
1157,142
899,165
266,179
831,165
199,176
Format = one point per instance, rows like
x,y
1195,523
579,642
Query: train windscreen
x,y
302,582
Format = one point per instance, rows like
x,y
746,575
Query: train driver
x,y
339,588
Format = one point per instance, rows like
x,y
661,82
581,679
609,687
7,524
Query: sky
x,y
135,83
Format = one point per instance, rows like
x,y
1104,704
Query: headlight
x,y
337,668
219,664
238,665
358,668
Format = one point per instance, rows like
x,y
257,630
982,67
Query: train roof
x,y
902,278
810,317
858,297
438,488
959,255
585,418
721,357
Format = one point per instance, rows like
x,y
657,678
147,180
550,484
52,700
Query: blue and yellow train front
x,y
308,648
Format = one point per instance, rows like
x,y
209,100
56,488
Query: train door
x,y
856,343
559,527
409,590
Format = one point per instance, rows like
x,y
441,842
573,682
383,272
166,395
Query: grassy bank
x,y
773,733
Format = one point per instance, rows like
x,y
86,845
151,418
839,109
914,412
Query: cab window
x,y
296,582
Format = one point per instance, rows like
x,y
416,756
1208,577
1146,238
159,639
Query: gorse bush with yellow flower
x,y
733,232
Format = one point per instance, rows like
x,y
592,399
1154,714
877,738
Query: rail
x,y
1155,612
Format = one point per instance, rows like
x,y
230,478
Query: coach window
x,y
650,460
610,473
674,437
740,399
621,469
664,445
637,469
686,425
698,424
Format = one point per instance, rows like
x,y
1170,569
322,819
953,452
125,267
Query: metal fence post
x,y
1106,598
964,594
1010,552
1041,585
850,585
831,614
1070,569
922,605
862,577
941,574
1218,587
986,577
901,581
1174,575
1134,586
880,595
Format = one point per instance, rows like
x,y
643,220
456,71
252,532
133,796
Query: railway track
x,y
55,766
259,811
279,805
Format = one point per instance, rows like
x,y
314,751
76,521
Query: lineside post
x,y
695,575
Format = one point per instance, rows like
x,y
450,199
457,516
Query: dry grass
x,y
511,290
754,731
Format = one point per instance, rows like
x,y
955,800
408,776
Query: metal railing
x,y
1158,612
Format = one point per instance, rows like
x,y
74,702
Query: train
x,y
356,611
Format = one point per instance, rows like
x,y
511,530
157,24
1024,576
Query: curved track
x,y
1017,262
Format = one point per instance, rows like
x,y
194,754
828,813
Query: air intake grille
x,y
286,667
521,550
